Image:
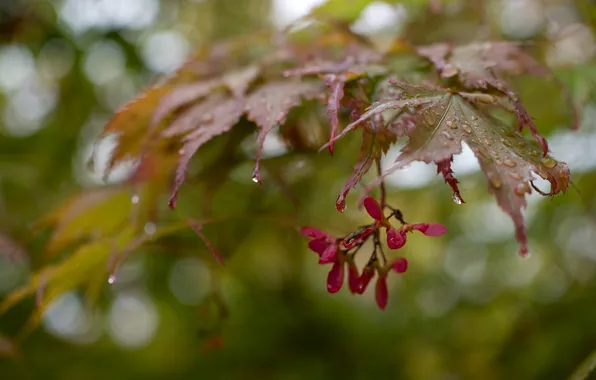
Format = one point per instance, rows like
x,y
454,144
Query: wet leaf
x,y
268,107
217,115
480,64
130,124
445,119
365,162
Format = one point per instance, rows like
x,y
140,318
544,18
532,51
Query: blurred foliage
x,y
468,307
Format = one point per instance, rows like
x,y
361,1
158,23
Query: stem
x,y
377,242
382,185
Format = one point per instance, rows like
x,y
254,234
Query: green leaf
x,y
92,214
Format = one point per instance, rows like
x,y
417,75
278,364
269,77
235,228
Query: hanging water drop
x,y
256,175
112,279
135,199
457,199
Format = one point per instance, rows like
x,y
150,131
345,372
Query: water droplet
x,y
524,252
522,189
509,163
150,228
456,199
449,71
548,162
112,279
495,182
447,135
182,152
135,199
256,175
207,118
467,128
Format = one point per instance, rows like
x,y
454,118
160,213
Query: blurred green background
x,y
468,308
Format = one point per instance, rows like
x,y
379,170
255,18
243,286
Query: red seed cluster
x,y
340,251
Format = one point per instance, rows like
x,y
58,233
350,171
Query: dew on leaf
x,y
548,162
495,182
509,163
447,135
135,199
207,118
112,279
522,188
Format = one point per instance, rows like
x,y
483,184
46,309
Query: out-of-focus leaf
x,y
92,214
10,249
480,64
83,268
131,122
7,348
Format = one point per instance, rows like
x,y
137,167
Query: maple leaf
x,y
480,65
216,115
268,107
444,119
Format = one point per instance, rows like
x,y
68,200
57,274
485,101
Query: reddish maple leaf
x,y
480,65
445,119
269,104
